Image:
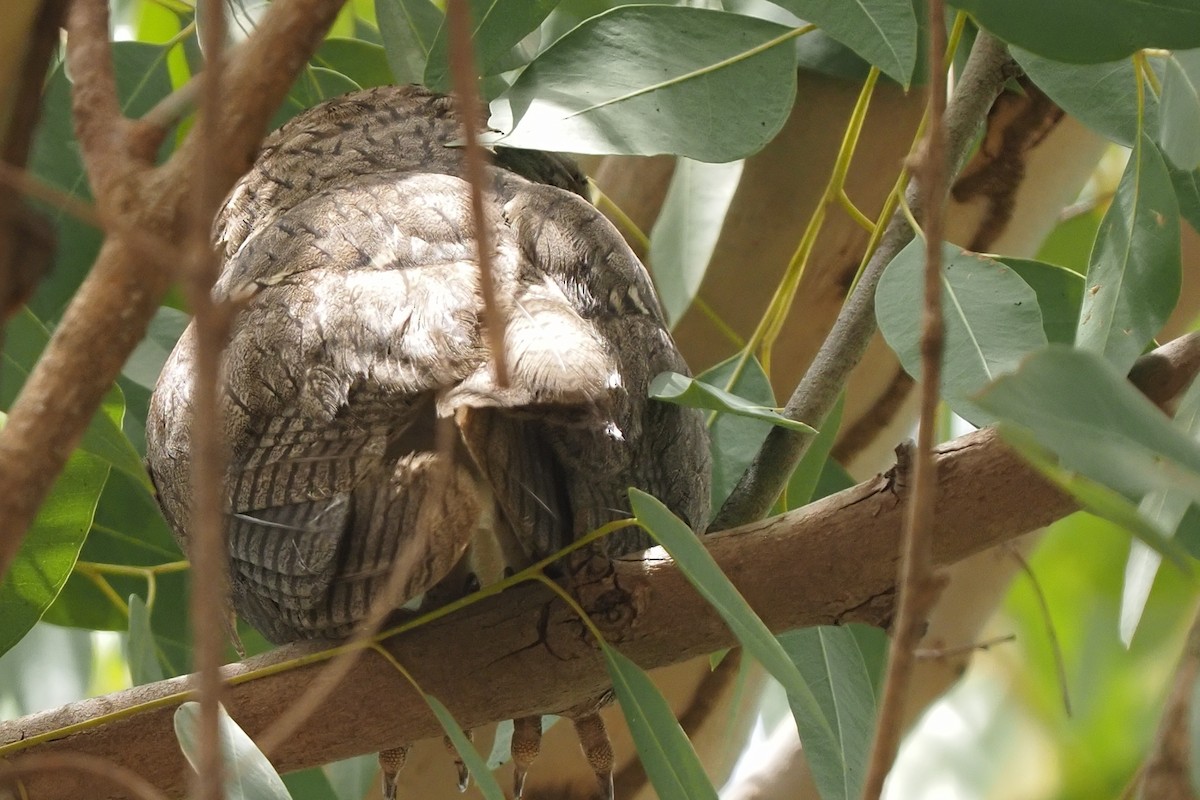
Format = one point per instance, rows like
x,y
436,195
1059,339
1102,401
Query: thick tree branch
x,y
109,314
480,661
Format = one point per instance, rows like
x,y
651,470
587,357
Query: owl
x,y
376,455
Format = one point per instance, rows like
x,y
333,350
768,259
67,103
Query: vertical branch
x,y
206,544
917,586
466,95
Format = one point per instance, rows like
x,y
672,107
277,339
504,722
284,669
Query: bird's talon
x,y
593,738
526,745
390,764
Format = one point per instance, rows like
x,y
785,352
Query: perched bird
x,y
361,335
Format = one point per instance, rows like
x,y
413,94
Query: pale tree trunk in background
x,y
1032,163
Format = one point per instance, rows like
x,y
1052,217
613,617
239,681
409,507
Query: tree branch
x,y
988,67
109,314
480,660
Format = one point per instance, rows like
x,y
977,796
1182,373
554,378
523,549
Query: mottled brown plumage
x,y
350,242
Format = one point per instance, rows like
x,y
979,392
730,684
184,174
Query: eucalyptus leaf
x,y
1187,192
884,32
313,86
671,387
1059,295
351,778
819,740
1101,96
496,27
248,775
687,229
408,28
1080,407
843,677
140,651
734,440
1179,128
663,748
645,80
991,317
1134,276
1089,31
1165,509
484,779
807,475
364,63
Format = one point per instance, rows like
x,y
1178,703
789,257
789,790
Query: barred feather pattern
x,y
350,248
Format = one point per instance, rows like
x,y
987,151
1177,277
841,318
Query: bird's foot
x,y
593,740
390,764
464,777
526,745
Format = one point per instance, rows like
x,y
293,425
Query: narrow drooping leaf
x,y
1086,31
644,80
1179,123
140,650
1134,274
1059,295
734,440
671,387
484,780
496,27
884,32
1101,96
663,748
991,316
1094,496
834,665
248,775
819,740
1165,509
351,778
687,228
1081,408
49,550
408,28
807,475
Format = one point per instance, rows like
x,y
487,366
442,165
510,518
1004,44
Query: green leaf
x,y
24,341
48,552
1165,510
1179,124
315,85
484,779
351,778
734,440
1082,408
663,748
807,475
818,738
1089,31
496,27
247,772
671,387
884,32
140,651
644,80
1187,192
408,28
991,316
24,684
687,228
1133,280
142,80
311,784
1101,96
1094,496
362,62
1059,294
843,678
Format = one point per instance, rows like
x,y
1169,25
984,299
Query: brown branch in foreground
x,y
919,588
109,314
135,785
479,660
1167,773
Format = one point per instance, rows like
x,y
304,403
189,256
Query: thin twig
x,y
1060,663
987,68
917,585
943,653
206,534
466,93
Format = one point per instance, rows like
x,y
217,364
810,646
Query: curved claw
x,y
390,764
526,745
464,775
593,738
